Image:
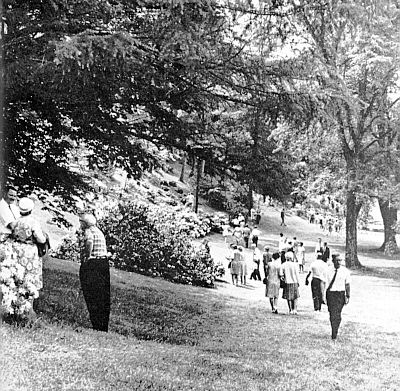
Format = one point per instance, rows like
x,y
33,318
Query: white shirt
x,y
8,214
257,254
317,268
342,278
281,243
255,232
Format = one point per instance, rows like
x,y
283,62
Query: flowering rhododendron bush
x,y
16,288
153,241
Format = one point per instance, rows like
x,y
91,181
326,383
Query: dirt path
x,y
374,298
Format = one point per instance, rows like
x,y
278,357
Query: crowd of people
x,y
22,246
328,278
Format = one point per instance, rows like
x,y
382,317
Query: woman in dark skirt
x,y
290,274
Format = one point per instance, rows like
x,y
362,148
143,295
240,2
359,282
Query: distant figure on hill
x,y
283,211
255,234
246,235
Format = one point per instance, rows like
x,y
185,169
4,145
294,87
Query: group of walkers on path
x,y
22,240
329,280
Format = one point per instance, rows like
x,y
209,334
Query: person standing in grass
x,y
289,272
316,271
273,281
243,266
335,286
94,274
255,234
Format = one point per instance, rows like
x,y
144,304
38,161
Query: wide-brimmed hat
x,y
26,205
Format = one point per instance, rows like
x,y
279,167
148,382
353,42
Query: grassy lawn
x,y
173,337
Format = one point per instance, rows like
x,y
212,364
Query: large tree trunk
x,y
250,198
389,216
352,211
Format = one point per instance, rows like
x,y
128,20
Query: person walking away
x,y
258,215
94,274
289,272
273,282
326,252
316,271
255,234
283,216
281,242
318,246
225,231
256,263
266,257
234,258
246,235
301,256
243,266
335,286
237,234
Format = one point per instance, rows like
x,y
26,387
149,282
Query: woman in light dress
x,y
273,281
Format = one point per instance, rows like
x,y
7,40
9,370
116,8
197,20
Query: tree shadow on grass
x,y
138,311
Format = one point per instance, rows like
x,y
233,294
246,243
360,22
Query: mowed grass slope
x,y
172,337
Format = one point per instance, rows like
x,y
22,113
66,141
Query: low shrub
x,y
154,242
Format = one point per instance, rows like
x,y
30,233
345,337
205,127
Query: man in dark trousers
x,y
335,287
94,274
326,252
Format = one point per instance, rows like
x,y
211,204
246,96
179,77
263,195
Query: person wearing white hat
x,y
94,274
23,251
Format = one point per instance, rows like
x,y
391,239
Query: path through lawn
x,y
376,306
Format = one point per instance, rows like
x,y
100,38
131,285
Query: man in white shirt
x,y
335,286
282,242
316,270
9,211
257,256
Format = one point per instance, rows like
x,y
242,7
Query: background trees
x,y
251,89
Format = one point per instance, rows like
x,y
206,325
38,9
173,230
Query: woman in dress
x,y
24,252
235,264
273,281
289,271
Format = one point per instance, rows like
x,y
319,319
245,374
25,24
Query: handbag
x,y
282,284
229,264
43,248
